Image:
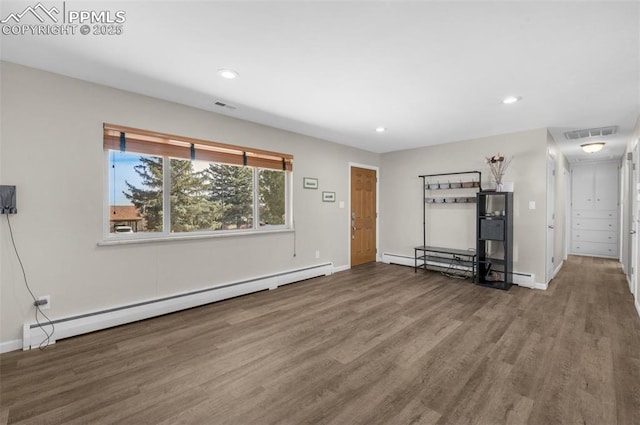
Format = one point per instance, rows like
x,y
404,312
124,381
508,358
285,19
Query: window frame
x,y
166,234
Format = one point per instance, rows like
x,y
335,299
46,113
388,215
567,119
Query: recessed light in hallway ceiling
x,y
228,74
511,99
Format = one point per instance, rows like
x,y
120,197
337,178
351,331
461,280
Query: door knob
x,y
550,227
632,232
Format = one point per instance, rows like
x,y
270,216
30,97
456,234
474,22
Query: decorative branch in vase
x,y
498,165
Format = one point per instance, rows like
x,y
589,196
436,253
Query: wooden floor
x,y
374,345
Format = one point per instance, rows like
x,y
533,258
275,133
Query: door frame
x,y
550,218
348,215
632,255
567,213
635,287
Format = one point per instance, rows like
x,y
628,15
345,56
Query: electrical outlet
x,y
317,253
47,302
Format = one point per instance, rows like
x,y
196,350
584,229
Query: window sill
x,y
185,237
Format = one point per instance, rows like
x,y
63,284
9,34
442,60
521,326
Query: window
x,y
135,192
161,184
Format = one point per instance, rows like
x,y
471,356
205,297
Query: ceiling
x,y
430,72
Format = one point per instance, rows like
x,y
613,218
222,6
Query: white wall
x,y
454,225
51,146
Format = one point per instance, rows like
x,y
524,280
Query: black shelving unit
x,y
494,239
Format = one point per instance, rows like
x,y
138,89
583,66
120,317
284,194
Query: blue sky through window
x,y
121,170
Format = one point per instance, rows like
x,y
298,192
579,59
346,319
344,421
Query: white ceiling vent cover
x,y
224,105
591,132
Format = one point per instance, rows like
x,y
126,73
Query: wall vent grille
x,y
591,132
224,105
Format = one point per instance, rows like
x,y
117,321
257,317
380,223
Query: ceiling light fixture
x,y
228,74
592,147
511,99
381,129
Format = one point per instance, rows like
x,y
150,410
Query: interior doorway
x,y
363,215
567,213
551,197
633,226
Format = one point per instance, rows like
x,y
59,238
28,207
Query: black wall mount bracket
x,y
8,200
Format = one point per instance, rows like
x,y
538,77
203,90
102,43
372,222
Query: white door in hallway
x,y
634,187
551,196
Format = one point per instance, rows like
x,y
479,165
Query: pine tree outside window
x,y
272,197
155,191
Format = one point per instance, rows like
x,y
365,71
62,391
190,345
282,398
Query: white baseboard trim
x,y
582,254
521,279
341,268
557,270
14,345
402,260
529,283
637,304
33,334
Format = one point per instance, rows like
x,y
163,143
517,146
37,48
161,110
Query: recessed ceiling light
x,y
592,147
511,99
228,74
381,129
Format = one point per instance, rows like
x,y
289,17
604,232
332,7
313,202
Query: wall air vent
x,y
591,132
225,105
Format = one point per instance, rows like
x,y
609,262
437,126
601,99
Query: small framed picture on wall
x,y
309,183
328,197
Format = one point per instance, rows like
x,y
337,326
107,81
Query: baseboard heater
x,y
434,261
34,334
520,279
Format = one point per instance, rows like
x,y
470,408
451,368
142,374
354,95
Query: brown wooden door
x,y
363,216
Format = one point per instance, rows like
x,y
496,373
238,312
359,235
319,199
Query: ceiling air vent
x,y
224,105
591,132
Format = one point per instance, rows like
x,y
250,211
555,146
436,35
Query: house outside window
x,y
124,217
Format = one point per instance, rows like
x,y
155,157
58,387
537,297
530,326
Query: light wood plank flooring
x,y
374,345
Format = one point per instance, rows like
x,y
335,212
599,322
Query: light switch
x,y
532,205
341,205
